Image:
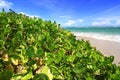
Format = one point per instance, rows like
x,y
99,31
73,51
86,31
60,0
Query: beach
x,y
105,39
108,48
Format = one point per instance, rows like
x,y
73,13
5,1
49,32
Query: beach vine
x,y
31,48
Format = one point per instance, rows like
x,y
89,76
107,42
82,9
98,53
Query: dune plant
x,y
31,48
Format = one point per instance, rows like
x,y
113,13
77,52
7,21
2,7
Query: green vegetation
x,y
31,48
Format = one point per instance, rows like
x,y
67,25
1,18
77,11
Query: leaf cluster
x,y
31,48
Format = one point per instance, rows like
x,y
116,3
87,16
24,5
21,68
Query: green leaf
x,y
78,69
46,71
30,52
111,58
49,58
15,56
27,76
59,56
40,53
17,76
21,26
6,75
31,62
71,58
40,76
78,54
89,77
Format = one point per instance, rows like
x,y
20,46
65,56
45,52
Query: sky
x,y
69,13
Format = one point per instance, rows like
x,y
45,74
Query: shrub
x,y
31,48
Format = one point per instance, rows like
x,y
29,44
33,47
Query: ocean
x,y
103,33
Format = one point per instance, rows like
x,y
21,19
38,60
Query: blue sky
x,y
70,13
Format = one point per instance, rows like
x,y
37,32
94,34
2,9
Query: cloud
x,y
5,4
107,21
100,23
108,17
113,11
70,23
76,22
81,20
118,22
29,15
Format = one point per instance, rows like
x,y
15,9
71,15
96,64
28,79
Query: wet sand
x,y
108,48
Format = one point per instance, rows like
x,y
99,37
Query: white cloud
x,y
108,18
81,20
100,23
118,22
114,11
70,23
76,22
5,4
106,21
29,15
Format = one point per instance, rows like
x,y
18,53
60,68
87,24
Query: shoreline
x,y
108,48
99,36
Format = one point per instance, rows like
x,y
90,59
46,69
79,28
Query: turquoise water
x,y
104,33
106,30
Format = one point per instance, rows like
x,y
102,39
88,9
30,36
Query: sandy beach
x,y
106,47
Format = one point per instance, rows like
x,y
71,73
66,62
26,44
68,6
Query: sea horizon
x,y
102,33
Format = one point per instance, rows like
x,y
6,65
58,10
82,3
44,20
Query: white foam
x,y
115,38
